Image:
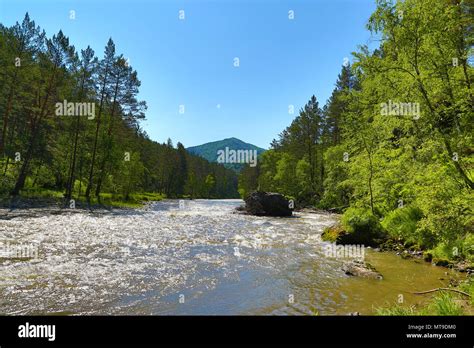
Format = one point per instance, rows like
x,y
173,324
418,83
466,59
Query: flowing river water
x,y
198,259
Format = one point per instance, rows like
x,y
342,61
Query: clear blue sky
x,y
191,62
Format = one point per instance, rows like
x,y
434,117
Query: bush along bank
x,y
401,230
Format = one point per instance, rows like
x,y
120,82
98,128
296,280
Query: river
x,y
197,259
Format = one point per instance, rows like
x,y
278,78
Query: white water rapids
x,y
203,259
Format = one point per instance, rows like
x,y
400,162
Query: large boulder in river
x,y
267,204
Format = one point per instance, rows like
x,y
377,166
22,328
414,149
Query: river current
x,y
200,258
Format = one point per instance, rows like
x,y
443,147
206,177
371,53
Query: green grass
x,y
397,310
459,249
468,287
41,193
442,304
401,223
135,200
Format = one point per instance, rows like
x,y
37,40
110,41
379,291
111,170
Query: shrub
x,y
445,304
442,304
6,185
362,227
396,310
462,248
401,223
467,247
333,233
468,287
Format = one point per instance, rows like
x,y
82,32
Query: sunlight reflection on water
x,y
145,261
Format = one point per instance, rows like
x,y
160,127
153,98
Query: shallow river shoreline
x,y
197,259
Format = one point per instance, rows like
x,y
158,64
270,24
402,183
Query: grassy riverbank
x,y
397,232
444,302
43,197
358,226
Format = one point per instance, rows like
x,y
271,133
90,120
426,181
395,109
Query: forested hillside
x,y
70,123
209,151
393,147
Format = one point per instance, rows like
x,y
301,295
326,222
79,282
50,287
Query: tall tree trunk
x,y
7,112
11,96
20,183
94,149
109,142
72,168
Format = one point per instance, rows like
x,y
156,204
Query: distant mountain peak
x,y
235,152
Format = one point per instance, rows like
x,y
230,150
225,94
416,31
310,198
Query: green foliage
x,y
6,185
362,227
248,180
397,310
462,248
267,170
333,233
285,175
337,188
443,304
401,223
467,247
444,251
468,287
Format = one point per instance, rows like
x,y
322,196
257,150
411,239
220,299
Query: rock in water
x,y
267,204
361,269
